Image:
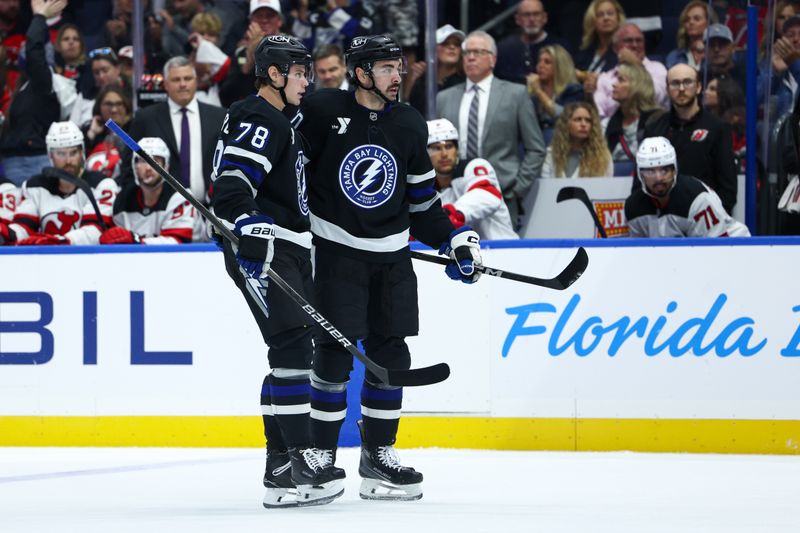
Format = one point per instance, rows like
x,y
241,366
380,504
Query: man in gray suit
x,y
494,117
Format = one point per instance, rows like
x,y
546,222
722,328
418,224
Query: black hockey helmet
x,y
365,51
283,51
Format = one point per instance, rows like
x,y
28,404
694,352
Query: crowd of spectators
x,y
534,101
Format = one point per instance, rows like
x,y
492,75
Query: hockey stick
x,y
577,193
57,173
567,277
394,377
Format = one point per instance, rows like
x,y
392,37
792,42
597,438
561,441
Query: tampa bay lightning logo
x,y
302,190
368,175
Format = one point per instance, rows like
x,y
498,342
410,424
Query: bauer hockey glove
x,y
256,235
118,235
464,249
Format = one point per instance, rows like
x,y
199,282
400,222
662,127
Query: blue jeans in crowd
x,y
20,168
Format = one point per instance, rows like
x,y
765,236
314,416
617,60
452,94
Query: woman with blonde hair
x,y
693,21
553,85
578,148
634,92
601,20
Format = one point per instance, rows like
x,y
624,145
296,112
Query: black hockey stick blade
x,y
567,277
396,378
577,193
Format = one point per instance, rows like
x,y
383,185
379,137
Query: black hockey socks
x,y
290,392
271,429
328,409
380,412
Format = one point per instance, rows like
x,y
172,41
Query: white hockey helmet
x,y
155,147
655,152
440,130
63,135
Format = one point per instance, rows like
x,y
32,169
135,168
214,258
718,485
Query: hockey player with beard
x,y
371,186
259,189
147,212
671,204
469,189
65,204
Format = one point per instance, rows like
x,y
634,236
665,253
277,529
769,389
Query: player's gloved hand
x,y
7,235
456,216
118,235
215,237
38,239
256,235
464,249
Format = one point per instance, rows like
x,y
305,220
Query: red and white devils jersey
x,y
10,197
172,220
477,195
45,210
693,210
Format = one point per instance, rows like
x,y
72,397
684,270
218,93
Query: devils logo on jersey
x,y
368,175
59,223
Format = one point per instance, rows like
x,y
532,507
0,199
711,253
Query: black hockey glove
x,y
256,235
464,249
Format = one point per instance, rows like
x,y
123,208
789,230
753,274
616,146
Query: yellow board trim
x,y
595,434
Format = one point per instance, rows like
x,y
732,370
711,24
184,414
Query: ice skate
x,y
281,491
318,482
385,478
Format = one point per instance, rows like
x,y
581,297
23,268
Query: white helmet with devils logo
x,y
656,152
155,147
440,130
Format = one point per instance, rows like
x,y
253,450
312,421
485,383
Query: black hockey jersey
x,y
371,183
258,166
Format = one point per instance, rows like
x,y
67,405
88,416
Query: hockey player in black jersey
x,y
371,186
259,188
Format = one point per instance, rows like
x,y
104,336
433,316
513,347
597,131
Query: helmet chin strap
x,y
374,88
281,90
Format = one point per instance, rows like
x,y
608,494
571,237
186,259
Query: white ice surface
x,y
150,490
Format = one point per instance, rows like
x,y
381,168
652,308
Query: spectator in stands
x,y
212,67
338,21
265,19
189,128
103,148
105,68
784,10
692,24
669,204
146,211
702,141
70,53
35,104
725,99
449,70
62,204
517,54
783,82
177,25
601,20
469,190
629,47
14,22
624,130
578,149
554,85
330,68
494,118
721,61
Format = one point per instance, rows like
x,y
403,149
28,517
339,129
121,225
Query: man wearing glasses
x,y
517,54
702,141
628,43
106,70
493,118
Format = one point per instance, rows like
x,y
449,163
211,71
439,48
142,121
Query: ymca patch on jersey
x,y
699,135
368,175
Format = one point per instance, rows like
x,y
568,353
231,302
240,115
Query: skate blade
x,y
277,498
376,489
308,495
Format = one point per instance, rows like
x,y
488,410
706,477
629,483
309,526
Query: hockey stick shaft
x,y
567,277
577,193
398,378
